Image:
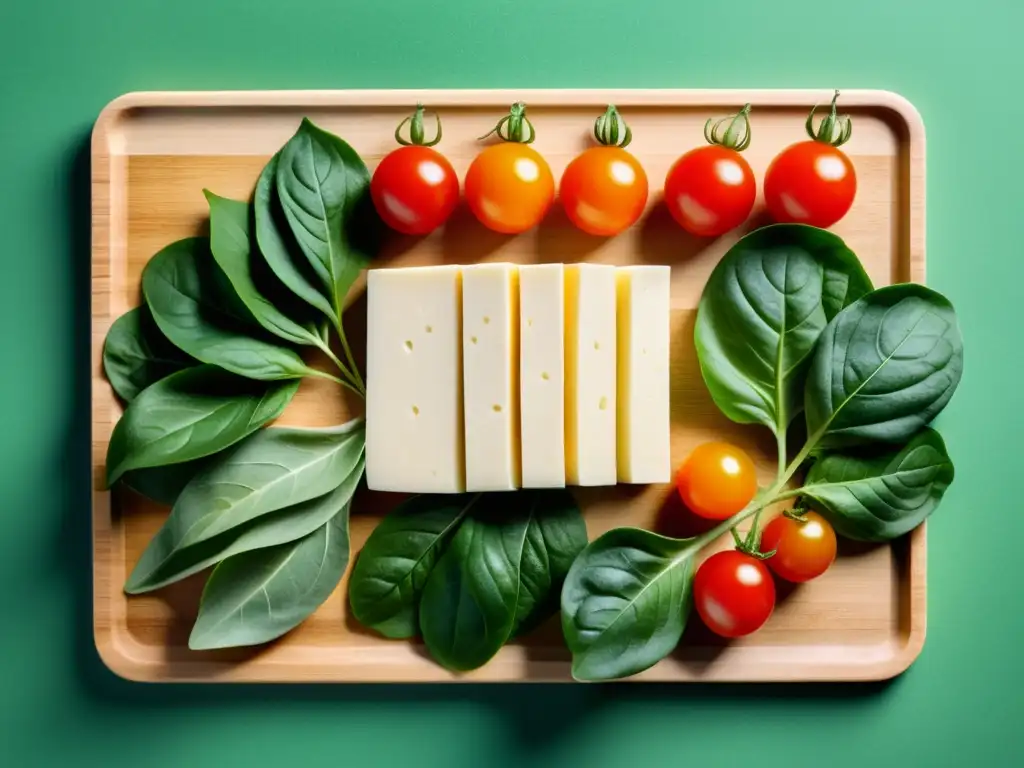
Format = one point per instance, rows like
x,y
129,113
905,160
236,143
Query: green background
x,y
60,62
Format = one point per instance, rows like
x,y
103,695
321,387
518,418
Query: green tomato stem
x,y
736,133
611,130
417,135
834,129
515,126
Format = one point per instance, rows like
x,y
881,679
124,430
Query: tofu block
x,y
490,350
542,374
414,428
644,426
590,375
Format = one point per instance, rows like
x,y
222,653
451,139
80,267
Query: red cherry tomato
x,y
734,593
803,549
509,187
716,480
415,190
813,182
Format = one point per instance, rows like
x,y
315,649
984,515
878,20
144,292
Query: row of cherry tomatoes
x,y
709,190
733,590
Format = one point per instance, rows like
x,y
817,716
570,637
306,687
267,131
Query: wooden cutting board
x,y
152,155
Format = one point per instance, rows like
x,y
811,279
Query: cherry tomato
x,y
716,480
803,550
813,182
604,189
733,593
509,187
415,190
710,190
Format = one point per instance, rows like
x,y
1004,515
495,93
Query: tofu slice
x,y
542,374
414,428
644,426
590,375
490,349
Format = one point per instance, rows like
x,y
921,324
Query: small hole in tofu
x,y
643,351
597,345
529,322
430,329
473,339
545,376
603,404
487,320
496,408
408,345
415,410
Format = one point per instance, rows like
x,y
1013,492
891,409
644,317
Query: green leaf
x,y
190,414
164,484
136,354
180,286
230,221
626,601
257,596
275,468
278,527
884,368
505,562
323,186
761,312
881,495
279,248
392,567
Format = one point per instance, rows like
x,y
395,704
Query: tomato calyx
x,y
731,132
515,126
751,544
417,136
834,129
611,130
797,511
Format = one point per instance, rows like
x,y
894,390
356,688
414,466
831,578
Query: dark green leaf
x,y
884,368
323,186
180,286
190,414
164,484
257,596
136,354
626,601
278,527
879,496
762,310
392,568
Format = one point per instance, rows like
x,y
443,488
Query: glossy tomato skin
x,y
509,187
804,549
810,182
734,593
716,480
414,189
710,190
603,190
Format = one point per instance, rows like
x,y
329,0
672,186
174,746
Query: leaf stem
x,y
331,377
349,377
354,369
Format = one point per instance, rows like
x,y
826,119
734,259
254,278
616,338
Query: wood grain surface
x,y
154,153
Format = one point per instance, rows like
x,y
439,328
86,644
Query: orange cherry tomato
x,y
509,187
803,549
716,480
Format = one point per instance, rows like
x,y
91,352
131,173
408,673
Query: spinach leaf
x,y
165,483
885,366
279,248
506,560
257,596
278,527
764,307
392,567
190,414
277,467
229,239
879,496
323,186
626,601
180,286
136,354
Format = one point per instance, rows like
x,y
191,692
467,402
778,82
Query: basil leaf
x,y
165,483
323,186
190,414
505,562
626,601
880,496
278,527
180,286
392,567
257,596
280,250
277,467
761,313
885,366
229,240
136,354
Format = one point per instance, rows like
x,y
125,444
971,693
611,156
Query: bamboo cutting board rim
x,y
118,649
